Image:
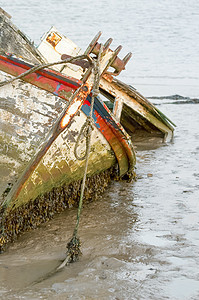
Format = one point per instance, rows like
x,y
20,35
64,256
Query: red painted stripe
x,y
39,79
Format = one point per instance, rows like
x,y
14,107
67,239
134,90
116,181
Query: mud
x,y
140,240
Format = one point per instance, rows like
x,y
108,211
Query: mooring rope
x,y
73,247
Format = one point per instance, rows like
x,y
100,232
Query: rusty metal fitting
x,y
118,64
94,48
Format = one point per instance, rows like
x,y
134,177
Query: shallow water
x,y
141,239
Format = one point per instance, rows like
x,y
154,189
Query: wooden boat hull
x,y
25,123
134,111
22,131
41,175
12,40
35,178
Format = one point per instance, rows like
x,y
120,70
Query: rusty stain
x,y
53,39
75,106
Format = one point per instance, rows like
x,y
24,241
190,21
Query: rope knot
x,y
74,245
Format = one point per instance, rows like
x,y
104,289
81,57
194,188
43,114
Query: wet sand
x,y
140,240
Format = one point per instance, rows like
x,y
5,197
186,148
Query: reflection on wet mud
x,y
139,238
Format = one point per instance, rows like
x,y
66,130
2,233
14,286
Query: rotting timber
x,y
135,113
30,215
41,116
41,170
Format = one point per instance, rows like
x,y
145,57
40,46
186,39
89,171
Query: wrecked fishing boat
x,y
49,103
43,130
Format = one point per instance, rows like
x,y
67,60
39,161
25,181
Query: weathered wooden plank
x,y
139,106
12,40
140,110
27,114
18,126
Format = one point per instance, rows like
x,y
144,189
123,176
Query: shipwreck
x,y
49,102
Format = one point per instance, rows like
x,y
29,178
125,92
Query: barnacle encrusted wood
x,y
44,207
